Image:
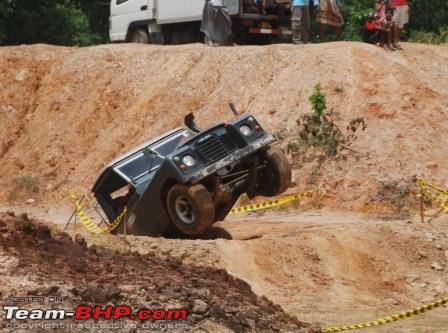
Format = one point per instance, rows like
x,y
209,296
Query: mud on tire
x,y
275,177
191,208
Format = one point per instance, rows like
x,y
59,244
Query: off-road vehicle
x,y
187,179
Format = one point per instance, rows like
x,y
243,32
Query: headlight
x,y
188,160
246,130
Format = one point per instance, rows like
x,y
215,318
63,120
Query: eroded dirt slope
x,y
65,112
35,261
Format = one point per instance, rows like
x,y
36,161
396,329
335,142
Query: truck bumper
x,y
234,157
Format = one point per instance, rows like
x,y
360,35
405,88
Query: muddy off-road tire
x,y
275,177
138,36
191,208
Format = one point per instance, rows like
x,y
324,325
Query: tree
x,y
6,9
61,22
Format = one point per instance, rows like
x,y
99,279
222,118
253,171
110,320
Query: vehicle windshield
x,y
139,167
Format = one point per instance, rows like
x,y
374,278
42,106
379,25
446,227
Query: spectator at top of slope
x,y
329,13
300,21
380,8
216,23
401,17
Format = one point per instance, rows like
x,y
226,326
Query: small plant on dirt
x,y
399,194
319,130
22,185
27,184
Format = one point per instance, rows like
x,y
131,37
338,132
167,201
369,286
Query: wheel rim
x,y
185,209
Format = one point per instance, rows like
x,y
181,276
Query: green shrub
x,y
429,37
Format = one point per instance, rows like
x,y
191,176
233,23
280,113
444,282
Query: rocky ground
x,y
48,262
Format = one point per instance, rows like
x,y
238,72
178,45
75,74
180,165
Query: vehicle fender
x,y
149,216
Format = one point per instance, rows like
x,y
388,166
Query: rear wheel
x,y
139,36
191,208
275,177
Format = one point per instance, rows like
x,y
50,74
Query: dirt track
x,y
326,268
68,111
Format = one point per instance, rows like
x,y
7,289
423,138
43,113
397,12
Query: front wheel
x,y
275,177
191,208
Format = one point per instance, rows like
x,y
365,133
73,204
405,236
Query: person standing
x,y
300,20
216,23
401,16
329,13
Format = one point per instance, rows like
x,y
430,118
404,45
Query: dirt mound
x,y
68,111
99,276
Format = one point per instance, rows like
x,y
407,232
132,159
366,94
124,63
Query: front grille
x,y
212,149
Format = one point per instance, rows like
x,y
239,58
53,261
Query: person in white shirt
x,y
216,23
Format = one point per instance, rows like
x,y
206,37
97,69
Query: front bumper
x,y
232,158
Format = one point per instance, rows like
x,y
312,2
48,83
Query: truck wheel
x,y
191,208
275,177
139,36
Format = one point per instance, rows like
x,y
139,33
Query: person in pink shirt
x,y
401,17
380,8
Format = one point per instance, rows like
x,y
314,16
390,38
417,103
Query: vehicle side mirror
x,y
189,122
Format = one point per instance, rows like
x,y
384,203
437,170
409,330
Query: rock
x,y
446,254
173,262
50,291
421,255
439,247
113,293
436,266
418,284
95,294
430,236
411,279
440,290
391,301
22,74
80,240
30,201
204,293
43,231
165,252
199,307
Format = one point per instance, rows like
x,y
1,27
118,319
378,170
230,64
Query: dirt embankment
x,y
68,111
49,262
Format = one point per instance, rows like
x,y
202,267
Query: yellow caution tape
x,y
389,319
273,203
90,225
433,192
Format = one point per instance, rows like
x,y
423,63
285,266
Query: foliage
x,y
27,183
85,22
426,18
429,37
61,22
6,9
319,130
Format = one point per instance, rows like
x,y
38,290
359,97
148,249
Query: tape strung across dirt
x,y
389,319
278,202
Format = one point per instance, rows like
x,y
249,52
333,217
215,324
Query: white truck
x,y
178,21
